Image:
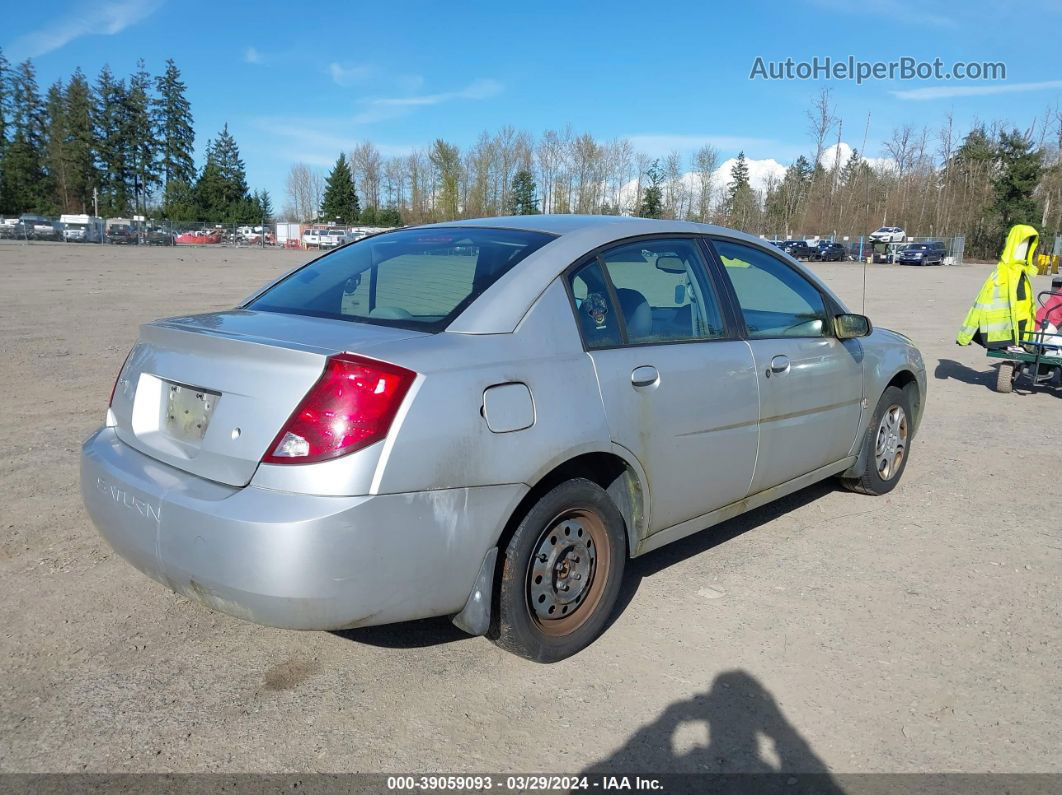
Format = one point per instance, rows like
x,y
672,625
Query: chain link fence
x,y
87,230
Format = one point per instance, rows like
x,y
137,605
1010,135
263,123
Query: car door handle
x,y
779,365
646,375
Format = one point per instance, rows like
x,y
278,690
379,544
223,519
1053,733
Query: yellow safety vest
x,y
1005,308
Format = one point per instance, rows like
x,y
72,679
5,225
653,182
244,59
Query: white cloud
x,y
348,75
948,92
86,19
477,89
383,108
761,172
251,55
318,142
840,153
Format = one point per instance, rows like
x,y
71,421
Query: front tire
x,y
886,446
561,573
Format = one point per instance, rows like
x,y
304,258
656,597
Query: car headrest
x,y
636,313
490,260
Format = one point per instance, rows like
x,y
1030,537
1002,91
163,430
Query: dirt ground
x,y
920,631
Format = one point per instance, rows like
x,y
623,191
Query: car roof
x,y
503,305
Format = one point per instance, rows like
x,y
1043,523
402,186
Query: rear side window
x,y
661,289
413,278
775,300
598,321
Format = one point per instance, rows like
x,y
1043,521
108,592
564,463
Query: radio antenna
x,y
866,215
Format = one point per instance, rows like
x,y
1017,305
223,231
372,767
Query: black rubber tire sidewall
x,y
871,482
512,628
1005,378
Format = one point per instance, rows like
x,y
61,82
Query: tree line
x,y
118,146
932,182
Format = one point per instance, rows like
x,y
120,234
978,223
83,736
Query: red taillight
x,y
350,407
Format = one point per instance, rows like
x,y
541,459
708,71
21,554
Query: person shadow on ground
x,y
747,734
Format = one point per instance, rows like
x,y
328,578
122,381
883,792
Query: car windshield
x,y
413,278
917,247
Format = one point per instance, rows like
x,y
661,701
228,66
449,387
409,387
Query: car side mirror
x,y
849,327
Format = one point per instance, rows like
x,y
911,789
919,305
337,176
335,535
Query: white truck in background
x,y
82,228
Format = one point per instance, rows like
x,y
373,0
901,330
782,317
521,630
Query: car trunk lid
x,y
208,393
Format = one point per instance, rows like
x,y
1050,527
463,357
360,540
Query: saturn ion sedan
x,y
485,420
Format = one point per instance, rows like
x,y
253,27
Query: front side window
x,y
775,300
662,292
413,278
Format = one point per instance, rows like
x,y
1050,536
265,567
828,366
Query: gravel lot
x,y
920,631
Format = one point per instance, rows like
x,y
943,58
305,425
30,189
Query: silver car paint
x,y
404,528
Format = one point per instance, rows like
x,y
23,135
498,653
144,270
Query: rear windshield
x,y
413,278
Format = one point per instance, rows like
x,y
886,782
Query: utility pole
x,y
95,203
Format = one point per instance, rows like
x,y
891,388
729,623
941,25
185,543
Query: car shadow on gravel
x,y
948,369
735,736
654,562
438,631
407,635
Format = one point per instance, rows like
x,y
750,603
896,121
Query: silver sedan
x,y
485,419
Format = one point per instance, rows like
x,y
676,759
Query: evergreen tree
x,y
179,201
265,206
80,169
139,135
172,116
23,184
786,202
523,198
340,201
221,190
56,190
112,146
653,199
1019,167
740,201
389,216
5,110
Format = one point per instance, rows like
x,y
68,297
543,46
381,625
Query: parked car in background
x,y
798,249
931,253
122,235
888,234
13,229
159,236
485,420
828,251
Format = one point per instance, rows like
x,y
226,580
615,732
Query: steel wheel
x,y
567,572
890,444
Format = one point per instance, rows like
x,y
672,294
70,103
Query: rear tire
x,y
886,446
1005,377
560,573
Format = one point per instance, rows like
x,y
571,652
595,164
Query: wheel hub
x,y
891,442
562,569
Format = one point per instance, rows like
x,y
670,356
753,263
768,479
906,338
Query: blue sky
x,y
303,81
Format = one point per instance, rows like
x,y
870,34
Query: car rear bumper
x,y
293,560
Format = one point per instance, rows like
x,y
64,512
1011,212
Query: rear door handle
x,y
779,365
646,375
